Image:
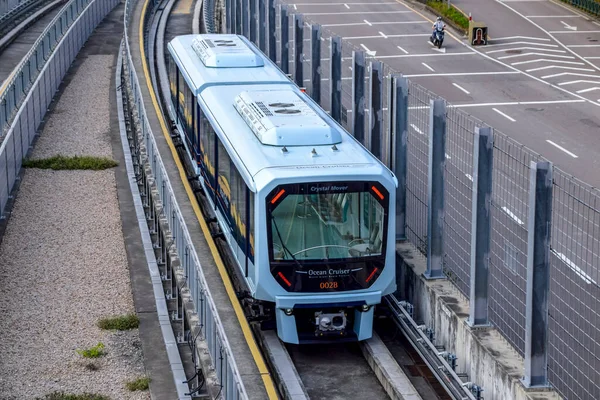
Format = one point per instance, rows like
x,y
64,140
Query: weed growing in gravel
x,y
92,352
91,367
69,396
75,162
120,323
138,384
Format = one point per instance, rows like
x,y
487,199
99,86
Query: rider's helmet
x,y
439,18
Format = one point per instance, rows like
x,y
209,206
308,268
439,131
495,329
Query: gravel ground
x,y
63,261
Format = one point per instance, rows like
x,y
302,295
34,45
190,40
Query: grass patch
x,y
92,352
68,396
120,323
138,384
450,13
70,163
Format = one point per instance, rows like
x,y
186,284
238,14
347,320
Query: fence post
x,y
238,17
483,149
253,21
398,107
228,15
315,61
538,274
435,209
262,26
298,44
271,32
358,95
284,43
376,108
335,77
246,18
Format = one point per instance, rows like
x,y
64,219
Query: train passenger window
x,y
173,70
251,226
314,222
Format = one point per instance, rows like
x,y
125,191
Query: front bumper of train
x,y
359,309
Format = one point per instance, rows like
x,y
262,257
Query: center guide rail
x,y
258,358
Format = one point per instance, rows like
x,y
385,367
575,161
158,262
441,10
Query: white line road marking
x,y
383,34
583,45
555,16
442,50
365,47
368,23
295,8
339,4
570,74
515,43
519,37
589,89
586,278
560,67
377,23
447,157
546,60
379,37
562,148
469,177
592,58
567,26
416,128
347,6
426,55
573,31
535,54
508,117
358,12
512,215
579,81
463,74
461,88
514,103
524,48
428,67
404,51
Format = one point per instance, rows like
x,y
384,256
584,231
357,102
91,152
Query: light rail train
x,y
306,210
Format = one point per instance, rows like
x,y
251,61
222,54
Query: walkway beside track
x,y
247,355
72,252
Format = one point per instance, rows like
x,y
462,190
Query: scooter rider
x,y
437,25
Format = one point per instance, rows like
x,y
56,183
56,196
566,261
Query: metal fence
x,y
19,84
6,6
211,327
29,93
574,251
591,6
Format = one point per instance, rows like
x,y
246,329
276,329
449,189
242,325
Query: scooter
x,y
438,38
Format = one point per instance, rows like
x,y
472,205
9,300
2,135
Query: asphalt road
x,y
532,96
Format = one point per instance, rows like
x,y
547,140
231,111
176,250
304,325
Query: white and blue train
x,y
307,211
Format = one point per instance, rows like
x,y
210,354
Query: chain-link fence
x,y
575,239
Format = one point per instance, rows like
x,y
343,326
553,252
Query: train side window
x,y
173,70
192,127
251,226
198,131
181,85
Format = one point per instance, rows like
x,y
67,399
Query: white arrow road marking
x,y
383,34
367,22
512,215
546,60
428,67
442,50
295,8
588,90
570,74
347,6
580,81
461,88
404,51
535,54
524,48
508,117
369,52
420,132
469,177
573,28
560,67
562,148
586,278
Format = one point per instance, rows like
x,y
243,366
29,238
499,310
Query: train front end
x,y
331,252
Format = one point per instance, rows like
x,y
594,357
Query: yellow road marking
x,y
256,354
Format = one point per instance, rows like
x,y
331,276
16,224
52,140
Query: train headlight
x,y
365,308
288,311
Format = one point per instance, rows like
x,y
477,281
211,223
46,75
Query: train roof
x,y
265,118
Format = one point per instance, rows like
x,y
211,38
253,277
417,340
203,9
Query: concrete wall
x,y
483,354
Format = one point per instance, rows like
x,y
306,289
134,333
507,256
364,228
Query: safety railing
x,y
465,195
591,6
43,73
211,327
17,86
11,9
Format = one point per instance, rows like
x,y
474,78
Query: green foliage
x,y
450,13
120,322
69,396
70,163
138,384
92,352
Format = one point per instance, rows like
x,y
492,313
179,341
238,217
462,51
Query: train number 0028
x,y
328,285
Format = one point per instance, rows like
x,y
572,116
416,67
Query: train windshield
x,y
327,221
